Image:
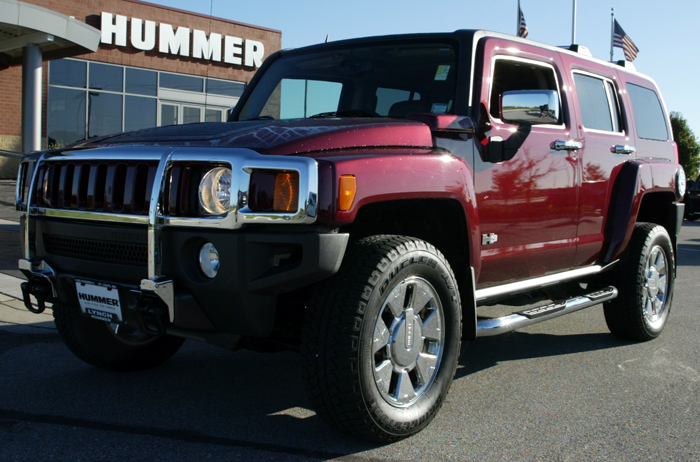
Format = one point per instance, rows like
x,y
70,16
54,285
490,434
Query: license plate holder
x,y
99,300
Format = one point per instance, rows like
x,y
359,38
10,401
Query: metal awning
x,y
57,35
29,35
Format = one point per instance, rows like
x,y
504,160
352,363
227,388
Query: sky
x,y
666,32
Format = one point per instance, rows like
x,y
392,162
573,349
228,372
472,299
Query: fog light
x,y
209,260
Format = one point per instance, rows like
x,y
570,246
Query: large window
x,y
648,115
598,103
88,99
513,74
357,80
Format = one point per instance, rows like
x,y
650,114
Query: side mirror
x,y
534,107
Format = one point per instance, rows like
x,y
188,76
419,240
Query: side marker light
x,y
347,192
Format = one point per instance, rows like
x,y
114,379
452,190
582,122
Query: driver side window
x,y
515,75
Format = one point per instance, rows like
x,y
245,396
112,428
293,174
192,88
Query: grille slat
x,y
109,188
129,184
96,186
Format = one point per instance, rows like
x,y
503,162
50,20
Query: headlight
x,y
215,191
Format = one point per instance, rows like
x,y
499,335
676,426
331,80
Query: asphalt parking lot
x,y
561,390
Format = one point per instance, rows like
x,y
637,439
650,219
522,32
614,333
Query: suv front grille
x,y
98,185
104,251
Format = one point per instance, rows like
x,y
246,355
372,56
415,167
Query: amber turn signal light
x,y
274,191
347,192
286,192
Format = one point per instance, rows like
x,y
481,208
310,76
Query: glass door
x,y
169,114
172,113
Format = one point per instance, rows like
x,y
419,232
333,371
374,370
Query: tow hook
x,y
150,312
42,291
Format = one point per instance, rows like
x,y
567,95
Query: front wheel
x,y
382,339
645,280
111,346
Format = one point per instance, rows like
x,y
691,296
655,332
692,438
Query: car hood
x,y
294,136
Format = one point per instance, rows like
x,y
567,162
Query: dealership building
x,y
151,66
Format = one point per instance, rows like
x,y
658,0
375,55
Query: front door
x,y
528,205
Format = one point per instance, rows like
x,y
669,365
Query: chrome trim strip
x,y
18,187
145,153
94,216
154,221
491,327
30,194
535,283
242,162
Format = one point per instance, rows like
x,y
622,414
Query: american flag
x,y
622,40
522,27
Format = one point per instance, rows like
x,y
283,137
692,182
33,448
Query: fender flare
x,y
636,179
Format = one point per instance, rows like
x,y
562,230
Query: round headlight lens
x,y
209,260
215,191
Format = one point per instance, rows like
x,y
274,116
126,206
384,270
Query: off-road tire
x,y
96,343
342,324
642,307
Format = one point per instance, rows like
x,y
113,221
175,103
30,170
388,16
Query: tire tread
x,y
334,307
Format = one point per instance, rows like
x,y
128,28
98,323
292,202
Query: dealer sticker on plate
x,y
99,301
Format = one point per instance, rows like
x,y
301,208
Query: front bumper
x,y
256,266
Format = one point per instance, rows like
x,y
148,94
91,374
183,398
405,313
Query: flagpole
x,y
612,32
573,27
517,21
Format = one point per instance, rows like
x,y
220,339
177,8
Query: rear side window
x,y
598,103
648,115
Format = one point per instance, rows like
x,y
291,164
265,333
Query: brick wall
x,y
10,101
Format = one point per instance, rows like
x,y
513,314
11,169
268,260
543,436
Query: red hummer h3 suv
x,y
365,201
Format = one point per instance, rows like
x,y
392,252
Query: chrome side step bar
x,y
497,326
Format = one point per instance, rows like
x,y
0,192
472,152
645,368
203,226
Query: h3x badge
x,y
487,239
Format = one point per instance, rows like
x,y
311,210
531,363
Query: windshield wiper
x,y
263,117
346,113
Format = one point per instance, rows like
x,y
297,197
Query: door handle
x,y
620,149
569,145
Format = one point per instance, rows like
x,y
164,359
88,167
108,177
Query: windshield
x,y
388,80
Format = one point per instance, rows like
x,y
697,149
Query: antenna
x,y
573,26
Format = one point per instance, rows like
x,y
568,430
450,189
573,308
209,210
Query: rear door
x,y
604,131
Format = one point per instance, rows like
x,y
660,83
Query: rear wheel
x,y
382,339
645,280
111,346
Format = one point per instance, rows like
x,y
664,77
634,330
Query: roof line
x,y
192,13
